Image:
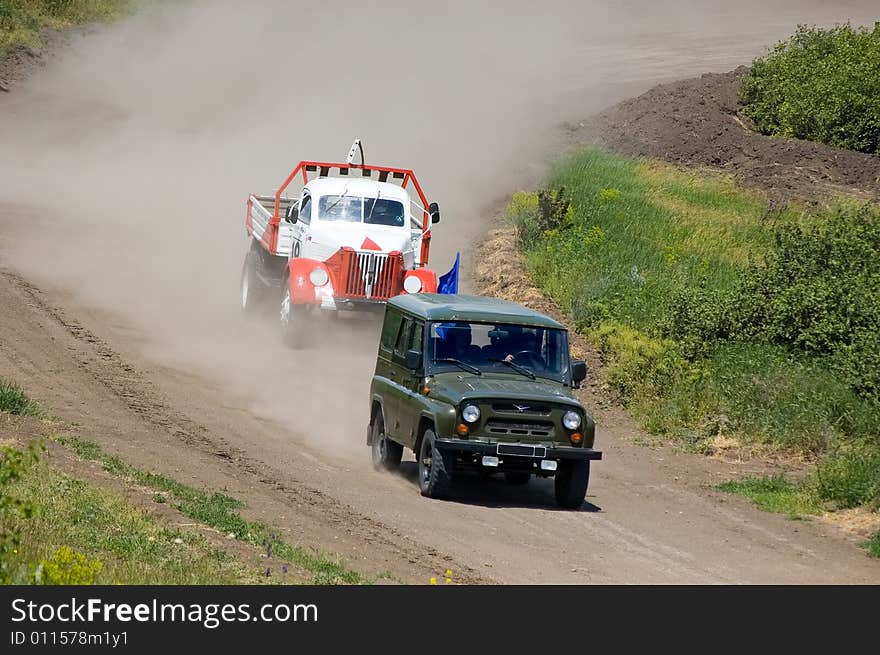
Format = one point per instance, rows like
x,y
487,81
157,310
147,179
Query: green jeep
x,y
483,384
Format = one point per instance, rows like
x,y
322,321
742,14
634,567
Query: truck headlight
x,y
319,277
412,284
470,414
571,420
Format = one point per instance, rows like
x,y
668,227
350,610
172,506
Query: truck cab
x,y
363,215
352,237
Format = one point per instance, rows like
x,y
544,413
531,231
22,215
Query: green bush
x,y
716,317
637,363
817,291
68,567
13,464
536,215
851,476
822,85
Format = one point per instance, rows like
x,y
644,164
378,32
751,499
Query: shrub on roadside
x,y
67,567
14,401
817,291
821,85
13,464
850,477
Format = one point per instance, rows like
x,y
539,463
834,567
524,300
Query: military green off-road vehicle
x,y
483,384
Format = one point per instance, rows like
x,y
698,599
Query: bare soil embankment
x,y
697,122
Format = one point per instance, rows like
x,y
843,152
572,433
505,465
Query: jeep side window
x,y
390,329
403,338
418,335
305,210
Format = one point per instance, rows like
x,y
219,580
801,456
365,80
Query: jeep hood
x,y
456,388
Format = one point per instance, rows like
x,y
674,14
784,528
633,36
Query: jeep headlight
x,y
571,420
319,276
470,413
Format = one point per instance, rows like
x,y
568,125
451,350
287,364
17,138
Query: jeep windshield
x,y
355,209
499,348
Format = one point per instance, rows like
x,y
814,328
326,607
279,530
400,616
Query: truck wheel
x,y
252,292
572,479
291,328
435,468
517,477
386,453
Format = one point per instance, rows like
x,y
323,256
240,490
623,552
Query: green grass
x,y
123,543
22,21
816,494
872,545
776,494
220,511
684,283
638,240
14,401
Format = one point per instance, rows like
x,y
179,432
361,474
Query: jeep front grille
x,y
523,409
520,428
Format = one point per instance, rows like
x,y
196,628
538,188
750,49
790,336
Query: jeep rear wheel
x,y
386,453
572,479
435,468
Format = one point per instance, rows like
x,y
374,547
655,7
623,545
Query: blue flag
x,y
449,283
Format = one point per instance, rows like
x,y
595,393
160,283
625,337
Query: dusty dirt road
x,y
122,187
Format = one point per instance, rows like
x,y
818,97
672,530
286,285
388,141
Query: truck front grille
x,y
372,276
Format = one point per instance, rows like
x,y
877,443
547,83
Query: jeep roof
x,y
475,309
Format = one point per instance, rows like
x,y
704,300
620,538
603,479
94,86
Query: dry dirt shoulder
x,y
99,395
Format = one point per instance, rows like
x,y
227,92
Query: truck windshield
x,y
500,348
354,209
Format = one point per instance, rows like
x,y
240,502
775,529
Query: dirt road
x,y
121,183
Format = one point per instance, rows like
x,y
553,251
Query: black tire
x,y
386,453
572,479
291,323
517,477
252,292
435,468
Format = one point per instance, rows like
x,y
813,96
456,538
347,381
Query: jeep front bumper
x,y
517,451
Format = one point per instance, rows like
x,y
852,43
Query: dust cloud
x,y
125,164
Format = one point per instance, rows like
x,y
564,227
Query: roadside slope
x,y
696,122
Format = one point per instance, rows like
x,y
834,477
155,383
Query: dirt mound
x,y
697,122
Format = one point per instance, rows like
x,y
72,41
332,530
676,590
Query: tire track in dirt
x,y
220,464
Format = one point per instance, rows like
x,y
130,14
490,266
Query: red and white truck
x,y
350,238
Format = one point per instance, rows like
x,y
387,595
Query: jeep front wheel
x,y
386,453
572,479
435,468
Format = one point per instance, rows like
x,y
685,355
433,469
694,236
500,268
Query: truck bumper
x,y
517,451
